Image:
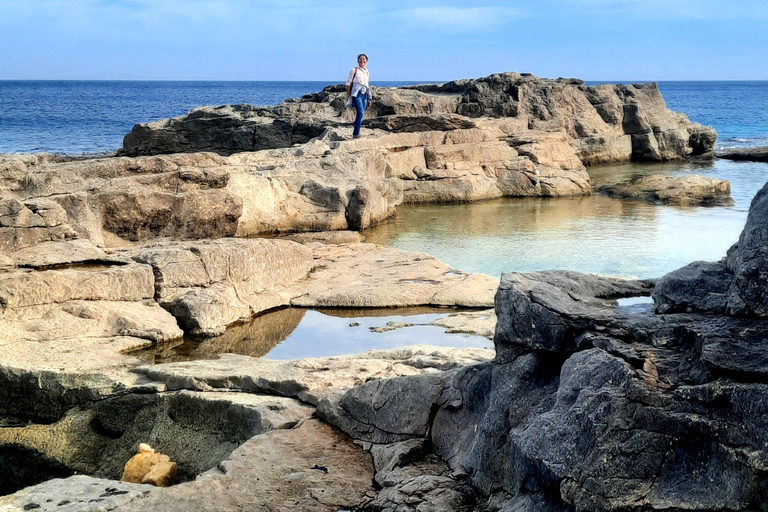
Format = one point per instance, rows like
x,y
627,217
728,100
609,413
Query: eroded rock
x,y
683,190
148,467
210,285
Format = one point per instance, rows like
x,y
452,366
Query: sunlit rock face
x,y
605,123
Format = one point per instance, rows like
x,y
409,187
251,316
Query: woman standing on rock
x,y
359,90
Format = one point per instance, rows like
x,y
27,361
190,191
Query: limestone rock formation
x,y
210,285
606,123
292,167
148,467
682,190
368,275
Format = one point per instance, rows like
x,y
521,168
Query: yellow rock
x,y
148,467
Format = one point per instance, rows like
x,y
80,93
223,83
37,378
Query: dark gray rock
x,y
388,457
424,486
758,154
590,406
700,286
748,260
527,502
737,286
385,411
420,123
548,310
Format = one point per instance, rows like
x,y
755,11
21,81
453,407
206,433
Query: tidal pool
x,y
293,333
594,234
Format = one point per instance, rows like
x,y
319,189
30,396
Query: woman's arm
x,y
350,78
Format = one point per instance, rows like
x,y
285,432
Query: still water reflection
x,y
588,234
293,333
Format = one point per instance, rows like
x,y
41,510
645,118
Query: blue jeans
x,y
361,103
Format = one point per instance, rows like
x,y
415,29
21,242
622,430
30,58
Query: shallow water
x,y
593,234
293,333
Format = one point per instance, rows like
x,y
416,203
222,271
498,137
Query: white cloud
x,y
457,19
664,9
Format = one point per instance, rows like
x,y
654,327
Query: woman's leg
x,y
360,107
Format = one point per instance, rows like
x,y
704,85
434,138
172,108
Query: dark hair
x,y
362,55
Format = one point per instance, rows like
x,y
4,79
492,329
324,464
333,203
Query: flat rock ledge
x,y
683,190
756,154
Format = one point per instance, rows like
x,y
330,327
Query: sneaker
x,y
356,136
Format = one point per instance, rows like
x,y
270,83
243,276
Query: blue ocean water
x,y
76,117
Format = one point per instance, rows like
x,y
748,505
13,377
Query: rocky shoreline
x,y
584,405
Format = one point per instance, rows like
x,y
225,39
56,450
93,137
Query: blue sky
x,y
406,40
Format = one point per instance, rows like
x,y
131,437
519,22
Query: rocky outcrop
x,y
606,123
292,167
310,467
755,154
683,190
593,406
199,411
736,286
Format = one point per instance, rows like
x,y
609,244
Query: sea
x,y
76,117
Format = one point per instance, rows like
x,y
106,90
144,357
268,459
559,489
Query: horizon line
x,y
633,80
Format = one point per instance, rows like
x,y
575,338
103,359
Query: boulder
x,y
548,311
748,261
683,190
698,287
736,286
148,467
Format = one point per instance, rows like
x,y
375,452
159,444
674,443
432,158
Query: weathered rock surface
x,y
756,154
310,467
309,379
604,123
587,406
196,430
368,275
292,167
737,286
592,406
218,405
210,285
683,190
